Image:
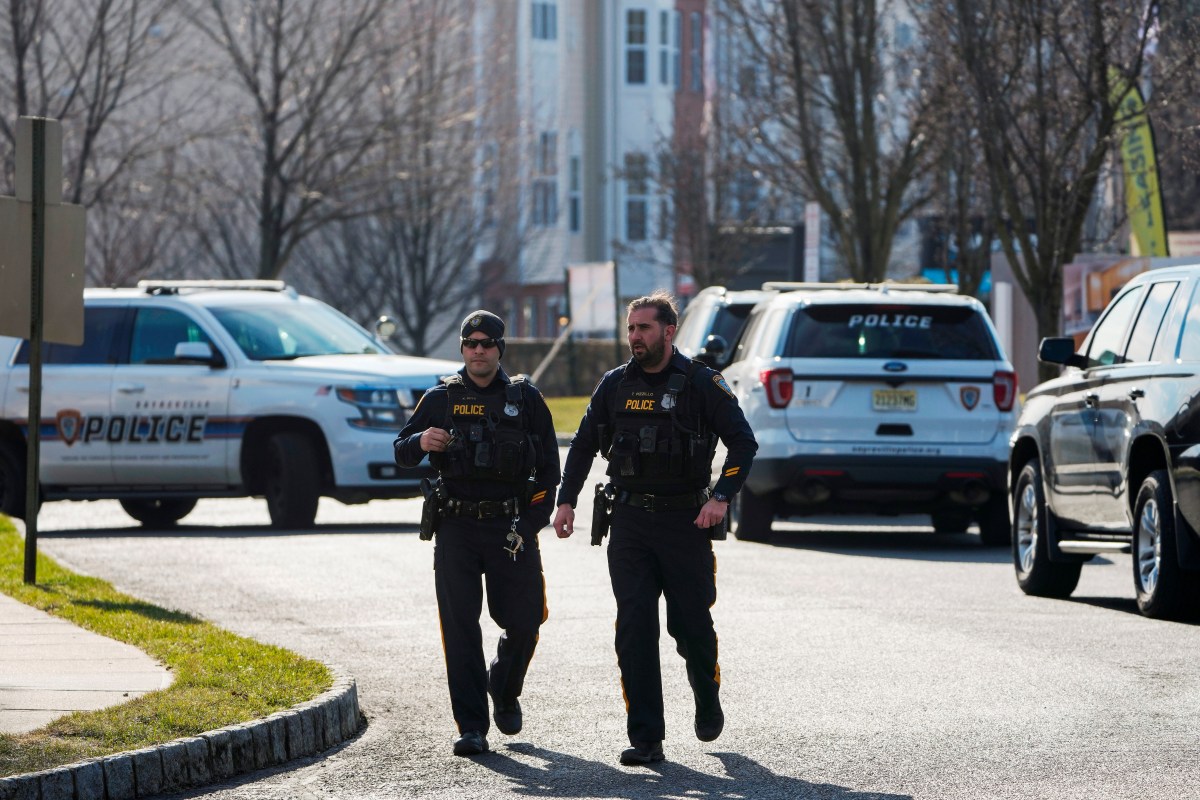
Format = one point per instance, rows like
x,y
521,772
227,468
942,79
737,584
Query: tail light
x,y
779,385
1004,389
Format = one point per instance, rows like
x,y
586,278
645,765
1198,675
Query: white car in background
x,y
191,389
887,399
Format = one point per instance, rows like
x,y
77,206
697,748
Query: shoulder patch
x,y
719,380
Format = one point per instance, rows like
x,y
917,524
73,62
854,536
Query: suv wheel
x,y
159,512
12,481
950,521
1036,573
293,482
995,528
750,517
1164,589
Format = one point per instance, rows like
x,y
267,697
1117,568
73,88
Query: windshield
x,y
266,333
890,331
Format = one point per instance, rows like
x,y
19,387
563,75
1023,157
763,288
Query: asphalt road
x,y
857,661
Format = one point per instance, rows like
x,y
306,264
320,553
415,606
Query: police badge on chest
x,y
668,401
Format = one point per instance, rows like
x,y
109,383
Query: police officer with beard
x,y
656,420
492,441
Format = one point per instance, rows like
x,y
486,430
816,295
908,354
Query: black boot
x,y
710,721
507,716
642,753
471,743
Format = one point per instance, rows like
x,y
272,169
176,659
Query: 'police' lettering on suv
x,y
190,389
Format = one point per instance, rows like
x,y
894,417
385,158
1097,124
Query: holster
x,y
431,510
601,512
719,531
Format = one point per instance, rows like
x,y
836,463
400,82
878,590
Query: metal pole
x,y
36,307
572,389
620,352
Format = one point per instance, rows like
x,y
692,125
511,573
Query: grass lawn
x,y
220,678
567,412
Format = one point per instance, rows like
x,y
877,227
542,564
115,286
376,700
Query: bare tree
x,y
845,123
1045,78
718,203
92,67
450,194
303,79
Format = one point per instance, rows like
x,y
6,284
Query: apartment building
x,y
602,88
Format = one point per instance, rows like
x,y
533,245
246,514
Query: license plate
x,y
894,400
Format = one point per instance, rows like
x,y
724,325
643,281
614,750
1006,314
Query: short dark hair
x,y
665,310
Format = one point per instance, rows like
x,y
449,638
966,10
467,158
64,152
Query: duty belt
x,y
482,509
662,502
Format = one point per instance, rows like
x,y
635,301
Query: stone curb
x,y
305,729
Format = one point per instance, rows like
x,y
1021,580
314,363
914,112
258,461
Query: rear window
x,y
729,321
890,331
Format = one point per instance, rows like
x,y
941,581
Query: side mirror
x,y
199,352
713,351
1060,350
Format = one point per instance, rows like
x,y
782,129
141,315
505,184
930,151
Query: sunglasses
x,y
486,344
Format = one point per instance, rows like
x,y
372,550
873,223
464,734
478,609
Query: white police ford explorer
x,y
879,399
191,389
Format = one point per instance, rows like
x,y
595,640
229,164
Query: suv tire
x,y
158,512
12,481
1036,574
293,482
1164,589
995,527
750,517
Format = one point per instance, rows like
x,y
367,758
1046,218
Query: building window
x,y
529,317
664,219
697,65
635,46
491,180
575,194
545,21
668,48
637,186
545,182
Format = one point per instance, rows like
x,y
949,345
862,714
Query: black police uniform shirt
x,y
706,396
431,412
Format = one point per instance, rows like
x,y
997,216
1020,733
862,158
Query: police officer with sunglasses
x,y
492,441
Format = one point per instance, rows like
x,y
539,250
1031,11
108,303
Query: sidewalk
x,y
50,667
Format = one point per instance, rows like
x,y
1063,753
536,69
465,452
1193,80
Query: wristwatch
x,y
719,497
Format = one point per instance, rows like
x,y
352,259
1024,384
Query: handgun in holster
x,y
601,512
431,510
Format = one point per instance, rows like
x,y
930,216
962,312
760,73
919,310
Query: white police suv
x,y
887,399
191,389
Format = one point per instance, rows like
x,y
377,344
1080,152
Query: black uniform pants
x,y
652,555
467,552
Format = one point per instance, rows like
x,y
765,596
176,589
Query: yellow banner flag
x,y
1142,196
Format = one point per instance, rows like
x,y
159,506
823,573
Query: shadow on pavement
x,y
1127,605
232,532
566,776
904,544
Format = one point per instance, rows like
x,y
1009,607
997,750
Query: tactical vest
x,y
652,442
490,438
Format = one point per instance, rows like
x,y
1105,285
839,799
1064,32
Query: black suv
x,y
1106,458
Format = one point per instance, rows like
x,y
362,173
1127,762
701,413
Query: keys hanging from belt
x,y
518,542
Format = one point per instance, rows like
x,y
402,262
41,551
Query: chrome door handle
x,y
1136,393
1091,399
131,388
